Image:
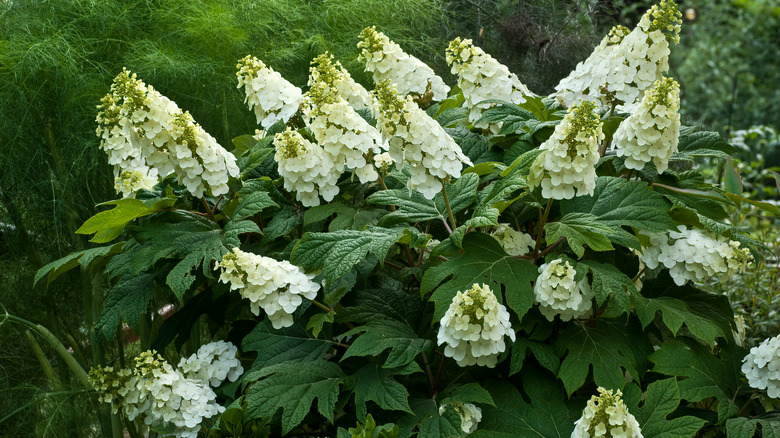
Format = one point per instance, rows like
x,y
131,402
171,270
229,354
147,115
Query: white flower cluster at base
x,y
694,254
762,367
558,293
515,243
652,131
587,78
145,135
278,287
160,394
482,77
324,69
307,169
385,60
417,140
470,415
569,157
606,415
474,327
272,98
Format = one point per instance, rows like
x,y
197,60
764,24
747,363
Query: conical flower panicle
x,y
560,294
307,169
416,139
474,327
569,157
325,70
385,60
652,132
762,367
606,416
278,287
272,98
482,77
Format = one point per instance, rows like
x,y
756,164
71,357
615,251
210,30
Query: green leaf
x,y
483,262
731,179
127,300
252,204
663,398
544,354
317,321
608,282
579,229
749,427
108,225
693,143
701,374
611,348
337,252
347,217
376,384
293,387
475,146
470,393
290,344
512,117
281,224
81,258
452,116
431,423
547,414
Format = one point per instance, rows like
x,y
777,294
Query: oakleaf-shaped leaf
x,y
80,258
483,262
289,344
431,423
126,301
579,229
470,393
753,427
608,282
107,225
252,204
292,386
281,223
611,348
475,146
376,383
663,398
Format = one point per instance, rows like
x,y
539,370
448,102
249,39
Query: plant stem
x,y
209,211
542,222
449,209
429,373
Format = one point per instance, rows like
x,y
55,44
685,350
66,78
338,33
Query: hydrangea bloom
x,y
383,161
515,243
418,140
652,131
325,70
606,415
308,170
143,131
131,181
762,367
385,60
559,293
694,254
278,287
482,77
214,362
272,98
474,327
569,156
340,131
470,415
585,81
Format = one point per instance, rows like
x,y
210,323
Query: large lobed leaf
x,y
108,225
663,398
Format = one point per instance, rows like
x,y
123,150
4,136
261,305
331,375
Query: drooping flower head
x,y
474,327
515,243
569,157
417,140
278,287
325,70
558,292
694,254
385,60
272,98
482,77
606,416
762,367
307,169
652,132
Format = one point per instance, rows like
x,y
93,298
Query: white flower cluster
x,y
418,140
272,98
605,416
569,156
474,328
214,362
470,415
694,254
482,77
515,243
383,161
762,367
587,78
387,61
652,131
307,169
340,130
324,69
146,134
161,394
278,287
558,293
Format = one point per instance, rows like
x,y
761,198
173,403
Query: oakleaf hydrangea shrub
x,y
427,261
